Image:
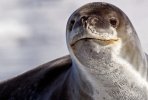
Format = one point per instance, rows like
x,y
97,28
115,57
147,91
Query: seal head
x,y
102,25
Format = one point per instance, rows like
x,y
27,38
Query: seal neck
x,y
132,52
102,70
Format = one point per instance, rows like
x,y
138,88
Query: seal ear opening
x,y
72,22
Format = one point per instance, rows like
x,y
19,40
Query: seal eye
x,y
114,22
71,24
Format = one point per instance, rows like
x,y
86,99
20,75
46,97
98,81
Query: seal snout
x,y
98,22
94,28
98,25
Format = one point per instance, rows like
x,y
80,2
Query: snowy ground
x,y
32,32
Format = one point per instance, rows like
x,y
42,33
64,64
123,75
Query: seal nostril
x,y
71,24
84,18
114,22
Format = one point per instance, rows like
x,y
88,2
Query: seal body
x,y
106,62
45,82
104,45
114,79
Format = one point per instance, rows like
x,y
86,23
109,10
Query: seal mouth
x,y
100,41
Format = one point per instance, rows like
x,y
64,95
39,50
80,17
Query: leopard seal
x,y
103,41
106,62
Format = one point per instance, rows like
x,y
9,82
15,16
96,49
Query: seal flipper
x,y
37,83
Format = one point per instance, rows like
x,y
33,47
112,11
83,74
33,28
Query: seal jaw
x,y
102,42
103,38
